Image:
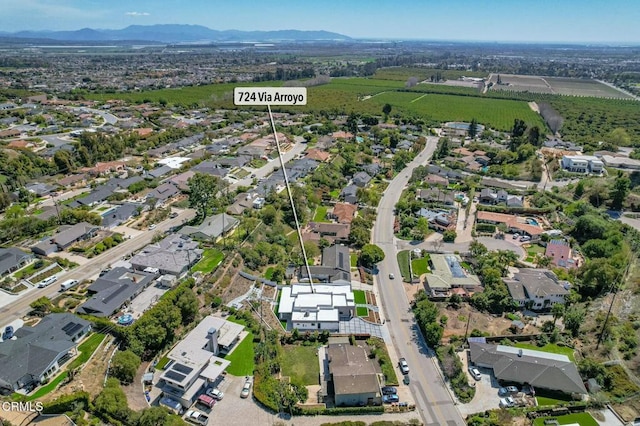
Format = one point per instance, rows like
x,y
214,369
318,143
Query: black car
x,y
389,390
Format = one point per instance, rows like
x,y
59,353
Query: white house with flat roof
x,y
194,364
582,164
321,309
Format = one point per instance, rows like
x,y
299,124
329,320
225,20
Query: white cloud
x,y
137,13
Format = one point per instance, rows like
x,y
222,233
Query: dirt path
x,y
135,392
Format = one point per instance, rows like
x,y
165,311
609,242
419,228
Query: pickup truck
x,y
197,417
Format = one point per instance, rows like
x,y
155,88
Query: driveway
x,y
486,397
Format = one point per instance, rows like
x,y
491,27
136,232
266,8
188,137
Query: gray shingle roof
x,y
11,258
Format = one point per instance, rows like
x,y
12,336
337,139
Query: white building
x,y
319,310
537,289
194,363
582,164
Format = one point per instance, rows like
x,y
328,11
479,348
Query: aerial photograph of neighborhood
x,y
334,213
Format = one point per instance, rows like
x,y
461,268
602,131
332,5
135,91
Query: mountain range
x,y
171,33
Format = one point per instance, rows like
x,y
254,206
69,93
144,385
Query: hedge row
x,y
67,403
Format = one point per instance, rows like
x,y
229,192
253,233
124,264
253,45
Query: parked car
x,y
389,390
512,389
525,238
173,215
475,373
47,281
8,333
507,390
515,236
507,402
197,417
246,389
388,399
152,226
215,393
391,276
404,367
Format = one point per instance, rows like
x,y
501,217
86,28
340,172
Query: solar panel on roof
x,y
454,266
182,368
72,328
175,376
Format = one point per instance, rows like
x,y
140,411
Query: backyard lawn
x,y
48,387
583,419
211,258
359,297
321,214
551,348
420,266
241,358
301,364
86,349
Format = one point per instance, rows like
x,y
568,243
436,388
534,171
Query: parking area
x,y
486,397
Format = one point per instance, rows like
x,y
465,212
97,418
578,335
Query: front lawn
x,y
551,348
48,387
359,297
550,400
361,311
535,249
321,214
242,363
353,259
403,262
583,419
86,349
211,258
300,363
420,266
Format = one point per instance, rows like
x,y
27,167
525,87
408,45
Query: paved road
x,y
20,307
432,397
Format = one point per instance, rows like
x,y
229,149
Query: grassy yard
x,y
321,214
361,311
335,193
86,349
360,297
546,400
269,272
583,419
48,387
551,348
241,358
420,266
535,249
211,258
353,258
403,262
162,363
30,269
301,364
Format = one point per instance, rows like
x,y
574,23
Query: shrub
x,y
67,403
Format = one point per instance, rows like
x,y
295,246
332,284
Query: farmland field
x,y
555,85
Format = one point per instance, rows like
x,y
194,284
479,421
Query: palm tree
x,y
542,261
506,258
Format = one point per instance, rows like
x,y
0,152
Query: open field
x,y
300,363
556,86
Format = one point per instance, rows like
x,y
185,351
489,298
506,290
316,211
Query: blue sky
x,y
489,20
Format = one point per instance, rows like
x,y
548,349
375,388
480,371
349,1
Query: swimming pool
x,y
125,319
532,221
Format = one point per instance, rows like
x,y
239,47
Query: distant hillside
x,y
175,34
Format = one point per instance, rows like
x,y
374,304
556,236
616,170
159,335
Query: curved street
x,y
433,399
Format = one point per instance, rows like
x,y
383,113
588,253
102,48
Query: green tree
x,y
557,310
449,236
473,128
579,190
359,236
112,402
203,192
386,110
188,304
41,306
619,191
124,366
573,319
370,255
154,416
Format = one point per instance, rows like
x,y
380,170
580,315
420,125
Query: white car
x,y
507,402
404,367
215,393
197,417
246,389
391,276
475,373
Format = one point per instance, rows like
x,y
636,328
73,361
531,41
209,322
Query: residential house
x,y
446,273
210,168
105,168
115,288
320,308
40,189
158,172
72,180
39,351
582,164
440,220
512,222
436,180
233,162
350,194
618,162
242,202
318,155
212,228
372,169
542,370
194,364
560,253
334,268
343,212
98,195
174,255
361,179
537,289
65,238
332,232
488,196
437,195
182,180
120,214
163,193
12,259
353,375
